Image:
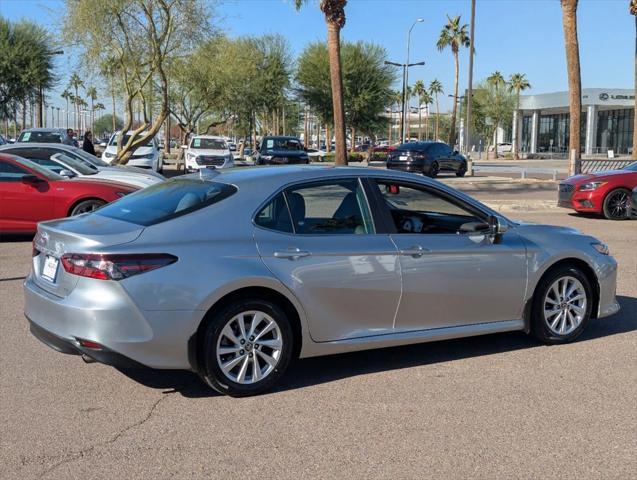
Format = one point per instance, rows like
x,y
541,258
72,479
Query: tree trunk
x,y
328,139
400,125
336,79
353,144
419,123
635,108
454,111
516,140
437,118
569,21
391,121
24,115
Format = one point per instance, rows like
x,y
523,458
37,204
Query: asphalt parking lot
x,y
498,406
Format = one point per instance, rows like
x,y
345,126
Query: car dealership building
x,y
607,122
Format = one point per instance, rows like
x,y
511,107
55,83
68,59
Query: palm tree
x,y
76,82
334,11
633,11
66,95
426,100
496,79
454,36
91,92
435,88
419,90
569,23
517,83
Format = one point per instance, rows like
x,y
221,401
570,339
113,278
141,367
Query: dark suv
x,y
428,158
281,151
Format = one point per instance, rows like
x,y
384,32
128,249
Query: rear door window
x,y
166,200
275,215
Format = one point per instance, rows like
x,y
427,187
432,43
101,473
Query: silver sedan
x,y
234,274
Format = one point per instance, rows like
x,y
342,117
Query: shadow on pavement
x,y
16,237
314,371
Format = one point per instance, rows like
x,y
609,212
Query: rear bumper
x,y
71,347
406,167
104,313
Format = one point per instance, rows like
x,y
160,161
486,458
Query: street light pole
x,y
405,67
470,91
406,80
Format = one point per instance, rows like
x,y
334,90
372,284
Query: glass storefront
x,y
615,131
554,134
525,142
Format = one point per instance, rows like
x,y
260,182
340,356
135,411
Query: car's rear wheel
x,y
86,206
247,348
562,305
617,204
434,169
462,170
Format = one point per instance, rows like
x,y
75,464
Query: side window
x,y
49,164
334,207
415,209
11,173
445,149
275,215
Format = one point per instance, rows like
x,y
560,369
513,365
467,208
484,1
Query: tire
x,y
549,322
462,170
160,166
271,362
86,206
617,204
434,169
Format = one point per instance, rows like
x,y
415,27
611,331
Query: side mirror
x,y
30,179
66,173
455,152
497,225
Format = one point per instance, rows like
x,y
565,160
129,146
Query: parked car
x,y
148,156
504,147
234,273
30,193
604,193
43,135
316,155
208,151
429,158
281,150
90,167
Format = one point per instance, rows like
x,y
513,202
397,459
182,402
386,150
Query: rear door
x,y
319,240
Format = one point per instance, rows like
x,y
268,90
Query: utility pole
x,y
406,111
467,142
404,66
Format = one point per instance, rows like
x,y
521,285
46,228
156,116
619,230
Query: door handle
x,y
292,254
415,251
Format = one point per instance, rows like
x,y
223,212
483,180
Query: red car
x,y
606,193
30,194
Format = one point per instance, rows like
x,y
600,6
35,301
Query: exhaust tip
x,y
88,359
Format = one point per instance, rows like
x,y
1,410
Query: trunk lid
x,y
81,234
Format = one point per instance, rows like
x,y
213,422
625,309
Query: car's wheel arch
x,y
77,201
549,268
263,292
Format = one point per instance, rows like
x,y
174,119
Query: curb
x,y
522,205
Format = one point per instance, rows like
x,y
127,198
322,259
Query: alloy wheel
x,y
249,347
87,207
565,305
618,204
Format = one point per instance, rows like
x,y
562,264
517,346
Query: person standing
x,y
87,145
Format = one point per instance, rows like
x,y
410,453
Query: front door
x,y
453,271
22,204
319,240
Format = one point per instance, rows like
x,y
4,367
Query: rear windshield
x,y
166,200
84,168
40,137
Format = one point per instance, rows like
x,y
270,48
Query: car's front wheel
x,y
562,305
617,204
247,348
462,170
434,169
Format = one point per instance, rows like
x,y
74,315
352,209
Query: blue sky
x,y
511,35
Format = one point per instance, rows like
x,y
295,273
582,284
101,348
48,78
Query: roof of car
x,y
61,146
42,129
212,137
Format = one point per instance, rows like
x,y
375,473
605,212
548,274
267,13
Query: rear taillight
x,y
114,266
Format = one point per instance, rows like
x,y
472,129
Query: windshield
x,y
125,141
208,144
166,200
287,144
40,137
44,172
632,167
92,159
77,165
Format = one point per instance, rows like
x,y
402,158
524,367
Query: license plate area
x,y
50,268
403,158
